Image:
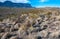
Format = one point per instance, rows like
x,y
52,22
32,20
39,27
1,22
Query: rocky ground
x,y
31,26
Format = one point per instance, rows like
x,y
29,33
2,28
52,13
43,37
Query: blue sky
x,y
38,3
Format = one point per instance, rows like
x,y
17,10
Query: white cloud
x,y
20,1
16,1
2,0
44,0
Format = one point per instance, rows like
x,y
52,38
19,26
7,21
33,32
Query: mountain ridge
x,y
18,5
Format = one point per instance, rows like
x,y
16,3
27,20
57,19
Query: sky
x,y
38,3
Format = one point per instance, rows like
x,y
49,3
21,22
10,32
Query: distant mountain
x,y
11,4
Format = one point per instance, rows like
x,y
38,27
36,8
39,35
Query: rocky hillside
x,y
43,23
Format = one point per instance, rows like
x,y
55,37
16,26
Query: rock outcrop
x,y
27,26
